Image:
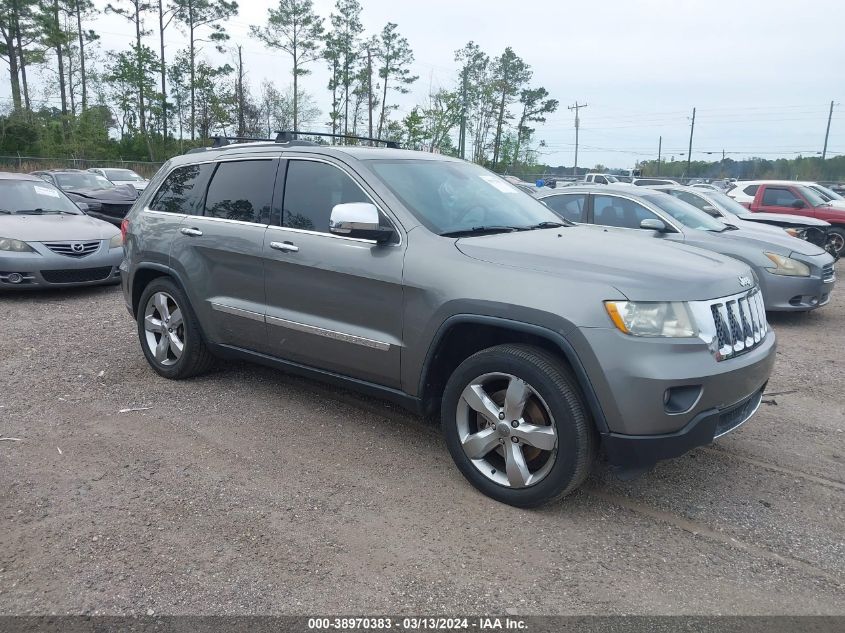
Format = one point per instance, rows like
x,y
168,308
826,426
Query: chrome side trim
x,y
302,327
333,334
211,218
287,229
165,213
247,314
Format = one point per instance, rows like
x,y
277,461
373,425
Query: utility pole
x,y
370,90
576,107
240,94
659,152
827,133
689,153
462,136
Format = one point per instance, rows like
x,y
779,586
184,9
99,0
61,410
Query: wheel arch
x,y
462,335
144,275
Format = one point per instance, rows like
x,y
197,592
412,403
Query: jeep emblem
x,y
745,281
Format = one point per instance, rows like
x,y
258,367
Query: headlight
x,y
640,318
787,266
116,241
15,246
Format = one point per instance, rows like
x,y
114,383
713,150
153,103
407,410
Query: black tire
x,y
840,235
551,380
195,357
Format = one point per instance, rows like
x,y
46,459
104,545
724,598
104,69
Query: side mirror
x,y
710,210
798,204
653,224
82,207
359,220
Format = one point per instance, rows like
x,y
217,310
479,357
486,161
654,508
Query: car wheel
x,y
836,241
169,332
516,426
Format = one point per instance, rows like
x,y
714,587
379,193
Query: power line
x,y
576,108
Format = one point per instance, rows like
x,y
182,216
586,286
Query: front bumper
x,y
643,451
796,294
44,268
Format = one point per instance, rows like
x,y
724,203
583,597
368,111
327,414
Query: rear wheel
x,y
516,426
169,332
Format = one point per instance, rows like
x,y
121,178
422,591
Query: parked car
x,y
120,176
599,179
377,279
718,205
103,199
801,200
646,182
706,186
794,275
46,240
745,190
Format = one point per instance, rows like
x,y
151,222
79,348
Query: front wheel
x,y
516,426
836,241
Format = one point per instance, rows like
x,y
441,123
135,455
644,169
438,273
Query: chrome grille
x,y
73,249
738,323
828,273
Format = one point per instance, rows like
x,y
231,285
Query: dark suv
x,y
435,283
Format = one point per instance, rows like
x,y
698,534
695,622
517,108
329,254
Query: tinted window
x,y
751,190
621,212
569,206
684,213
242,190
312,189
778,197
182,190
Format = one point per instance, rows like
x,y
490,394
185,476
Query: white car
x,y
120,176
745,190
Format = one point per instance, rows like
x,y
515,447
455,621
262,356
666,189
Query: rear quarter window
x,y
183,190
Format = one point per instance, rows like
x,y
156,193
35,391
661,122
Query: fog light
x,y
681,399
14,278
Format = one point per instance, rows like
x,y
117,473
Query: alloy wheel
x,y
507,430
164,329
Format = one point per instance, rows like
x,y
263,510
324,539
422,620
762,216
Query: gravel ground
x,y
252,491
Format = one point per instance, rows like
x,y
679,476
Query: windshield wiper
x,y
40,211
547,225
481,230
5,211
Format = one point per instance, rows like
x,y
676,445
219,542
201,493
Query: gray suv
x,y
436,284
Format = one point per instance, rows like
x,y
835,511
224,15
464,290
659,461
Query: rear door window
x,y
570,206
182,191
242,190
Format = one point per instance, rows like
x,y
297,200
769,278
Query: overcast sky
x,y
761,73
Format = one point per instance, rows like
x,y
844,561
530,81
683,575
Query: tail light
x,y
124,229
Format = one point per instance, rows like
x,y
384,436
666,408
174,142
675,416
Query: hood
x,y
785,219
837,206
778,242
639,266
135,184
50,228
120,193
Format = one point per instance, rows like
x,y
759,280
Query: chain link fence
x,y
26,164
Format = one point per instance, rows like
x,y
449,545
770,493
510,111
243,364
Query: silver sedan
x,y
47,241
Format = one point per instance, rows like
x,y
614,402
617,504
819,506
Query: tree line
x,y
69,97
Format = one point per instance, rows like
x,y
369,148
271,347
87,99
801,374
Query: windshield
x,y
122,174
32,196
827,194
612,178
81,180
685,213
811,196
450,197
725,202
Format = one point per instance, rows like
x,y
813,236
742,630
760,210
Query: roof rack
x,y
289,136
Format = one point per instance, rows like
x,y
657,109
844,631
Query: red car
x,y
801,200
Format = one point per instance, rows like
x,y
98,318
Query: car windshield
x,y
811,195
125,175
685,213
612,179
453,197
828,194
25,197
726,203
81,180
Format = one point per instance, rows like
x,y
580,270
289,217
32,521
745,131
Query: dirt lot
x,y
251,491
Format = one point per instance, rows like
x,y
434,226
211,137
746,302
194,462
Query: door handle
x,y
286,247
192,232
